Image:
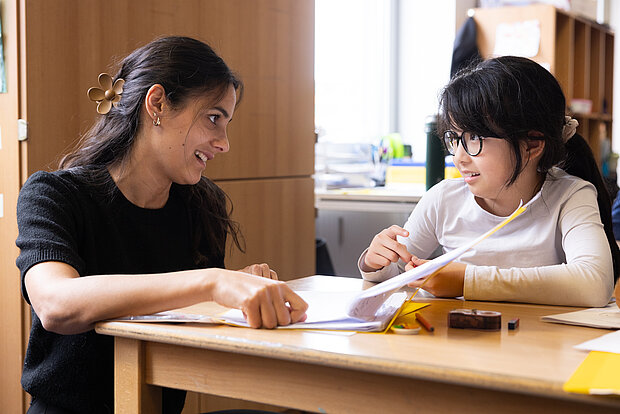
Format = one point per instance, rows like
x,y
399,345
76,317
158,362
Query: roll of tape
x,y
474,319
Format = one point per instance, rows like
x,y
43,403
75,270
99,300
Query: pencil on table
x,y
426,324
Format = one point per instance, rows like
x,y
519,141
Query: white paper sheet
x,y
517,39
606,343
168,316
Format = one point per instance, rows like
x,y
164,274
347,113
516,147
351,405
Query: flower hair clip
x,y
109,93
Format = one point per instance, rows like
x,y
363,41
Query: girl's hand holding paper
x,y
447,282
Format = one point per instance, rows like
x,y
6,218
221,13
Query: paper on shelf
x,y
517,39
365,305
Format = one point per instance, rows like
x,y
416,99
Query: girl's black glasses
x,y
472,143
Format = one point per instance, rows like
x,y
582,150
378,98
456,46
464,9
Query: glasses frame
x,y
447,141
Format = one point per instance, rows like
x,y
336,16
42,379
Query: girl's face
x,y
194,136
487,173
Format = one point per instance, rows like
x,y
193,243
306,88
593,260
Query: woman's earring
x,y
157,121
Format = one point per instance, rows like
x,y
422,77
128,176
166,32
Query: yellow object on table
x,y
598,374
406,316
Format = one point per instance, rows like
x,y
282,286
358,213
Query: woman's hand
x,y
446,282
617,294
262,270
265,303
384,249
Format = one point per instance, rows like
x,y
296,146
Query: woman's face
x,y
194,135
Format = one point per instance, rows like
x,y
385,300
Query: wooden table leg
x,y
131,393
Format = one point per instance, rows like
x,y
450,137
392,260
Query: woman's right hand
x,y
264,302
385,249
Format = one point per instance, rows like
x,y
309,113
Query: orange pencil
x,y
426,324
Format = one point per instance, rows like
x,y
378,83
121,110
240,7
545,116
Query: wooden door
x,y
13,315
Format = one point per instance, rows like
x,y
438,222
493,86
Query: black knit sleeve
x,y
48,223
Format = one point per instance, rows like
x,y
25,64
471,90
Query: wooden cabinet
x,y
579,52
54,51
270,43
273,213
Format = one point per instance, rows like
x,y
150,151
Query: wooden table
x,y
450,370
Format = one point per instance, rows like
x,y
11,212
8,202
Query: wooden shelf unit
x,y
579,52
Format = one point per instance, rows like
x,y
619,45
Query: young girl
x,y
129,226
503,120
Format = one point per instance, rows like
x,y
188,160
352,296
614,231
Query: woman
x,y
129,226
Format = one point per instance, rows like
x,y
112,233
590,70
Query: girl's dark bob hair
x,y
507,97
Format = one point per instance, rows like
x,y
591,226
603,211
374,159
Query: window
x,y
352,69
379,67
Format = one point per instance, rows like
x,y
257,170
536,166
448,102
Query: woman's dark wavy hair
x,y
186,68
510,96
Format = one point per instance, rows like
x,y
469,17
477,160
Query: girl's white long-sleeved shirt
x,y
556,252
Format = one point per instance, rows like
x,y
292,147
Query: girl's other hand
x,y
384,249
447,283
262,270
265,303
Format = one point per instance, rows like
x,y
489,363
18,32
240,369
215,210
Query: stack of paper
x,y
328,310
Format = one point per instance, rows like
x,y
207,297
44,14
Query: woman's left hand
x,y
262,270
448,283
